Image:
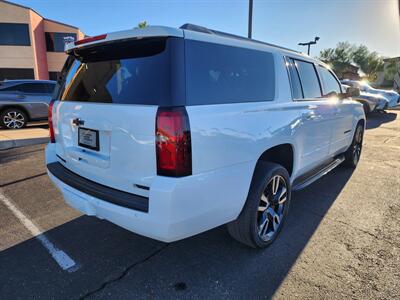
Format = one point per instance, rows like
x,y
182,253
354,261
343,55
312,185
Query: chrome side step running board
x,y
301,185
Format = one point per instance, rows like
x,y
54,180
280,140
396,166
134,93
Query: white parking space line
x,y
62,259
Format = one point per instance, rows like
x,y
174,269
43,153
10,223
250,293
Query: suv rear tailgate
x,y
104,122
126,155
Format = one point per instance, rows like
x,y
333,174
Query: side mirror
x,y
353,92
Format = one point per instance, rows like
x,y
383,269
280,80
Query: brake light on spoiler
x,y
91,39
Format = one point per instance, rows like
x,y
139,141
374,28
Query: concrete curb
x,y
9,144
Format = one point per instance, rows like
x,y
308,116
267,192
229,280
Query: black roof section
x,y
202,29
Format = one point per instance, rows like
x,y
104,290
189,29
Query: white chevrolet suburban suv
x,y
170,132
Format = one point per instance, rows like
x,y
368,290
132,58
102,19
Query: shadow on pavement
x,y
207,265
44,125
375,120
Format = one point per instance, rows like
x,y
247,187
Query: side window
x,y
309,79
297,92
33,88
329,83
55,40
50,87
14,34
11,89
219,74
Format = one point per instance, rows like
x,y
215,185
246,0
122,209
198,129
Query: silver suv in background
x,y
392,96
370,102
24,100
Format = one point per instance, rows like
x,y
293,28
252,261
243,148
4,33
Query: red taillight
x,y
91,39
173,142
50,115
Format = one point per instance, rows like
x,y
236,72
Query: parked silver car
x,y
370,102
22,101
392,96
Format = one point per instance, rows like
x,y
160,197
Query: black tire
x,y
13,118
353,154
246,228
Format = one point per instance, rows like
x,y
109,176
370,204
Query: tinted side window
x,y
33,88
218,74
12,88
309,79
329,82
50,87
55,41
14,34
295,84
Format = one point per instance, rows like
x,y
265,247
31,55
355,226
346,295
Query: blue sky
x,y
374,23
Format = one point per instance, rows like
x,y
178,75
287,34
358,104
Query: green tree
x,y
339,58
142,24
370,63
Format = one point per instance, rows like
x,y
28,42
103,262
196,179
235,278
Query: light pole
x,y
250,28
316,39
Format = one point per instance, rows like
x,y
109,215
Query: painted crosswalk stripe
x,y
62,258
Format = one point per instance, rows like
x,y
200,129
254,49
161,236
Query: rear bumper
x,y
97,190
177,207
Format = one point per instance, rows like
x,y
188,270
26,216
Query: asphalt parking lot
x,y
342,239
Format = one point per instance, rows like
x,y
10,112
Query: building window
x,y
54,75
14,34
6,73
55,40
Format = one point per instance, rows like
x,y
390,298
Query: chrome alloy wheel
x,y
357,144
14,120
271,208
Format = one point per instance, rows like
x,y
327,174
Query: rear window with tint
x,y
147,71
217,74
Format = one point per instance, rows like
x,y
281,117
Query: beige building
x,y
390,76
31,46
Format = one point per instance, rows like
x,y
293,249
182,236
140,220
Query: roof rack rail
x,y
202,29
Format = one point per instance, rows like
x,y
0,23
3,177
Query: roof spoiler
x,y
198,28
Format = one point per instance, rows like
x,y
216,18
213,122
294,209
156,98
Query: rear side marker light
x,y
173,142
91,39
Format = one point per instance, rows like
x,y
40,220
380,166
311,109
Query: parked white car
x,y
171,132
370,102
392,96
